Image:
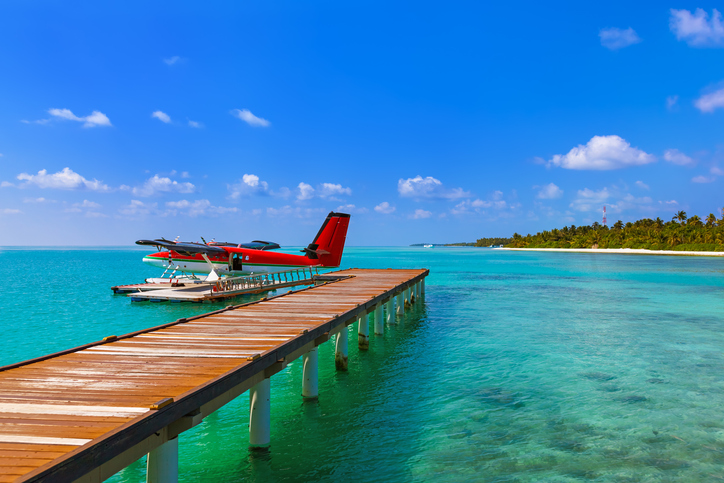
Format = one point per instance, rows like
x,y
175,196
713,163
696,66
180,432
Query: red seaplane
x,y
236,259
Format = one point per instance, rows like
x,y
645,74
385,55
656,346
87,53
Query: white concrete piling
x,y
340,350
260,414
310,375
422,287
162,463
400,303
379,322
391,311
363,332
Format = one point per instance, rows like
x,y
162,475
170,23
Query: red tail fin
x,y
328,245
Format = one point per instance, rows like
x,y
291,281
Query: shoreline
x,y
625,251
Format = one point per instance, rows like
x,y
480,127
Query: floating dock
x,y
199,291
86,413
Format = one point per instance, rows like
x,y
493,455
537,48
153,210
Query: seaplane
x,y
224,259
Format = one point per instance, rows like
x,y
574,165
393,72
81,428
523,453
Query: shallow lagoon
x,y
520,367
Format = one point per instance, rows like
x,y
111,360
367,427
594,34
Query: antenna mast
x,y
604,214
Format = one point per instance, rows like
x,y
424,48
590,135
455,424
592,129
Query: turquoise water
x,y
520,367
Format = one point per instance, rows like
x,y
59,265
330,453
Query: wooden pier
x,y
85,413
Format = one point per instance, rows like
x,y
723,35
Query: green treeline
x,y
681,233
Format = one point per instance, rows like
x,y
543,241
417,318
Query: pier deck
x,y
86,413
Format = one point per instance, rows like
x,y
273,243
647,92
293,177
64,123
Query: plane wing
x,y
187,248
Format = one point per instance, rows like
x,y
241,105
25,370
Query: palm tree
x,y
680,216
711,220
618,225
694,221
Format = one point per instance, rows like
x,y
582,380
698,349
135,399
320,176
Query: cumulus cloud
x,y
428,188
96,118
37,200
66,179
329,191
172,60
10,211
157,184
696,29
703,179
197,208
602,153
616,201
248,185
249,118
711,101
717,171
670,203
195,124
671,102
549,192
87,207
305,191
6,184
642,185
385,208
675,156
420,214
286,211
351,209
138,208
161,116
615,38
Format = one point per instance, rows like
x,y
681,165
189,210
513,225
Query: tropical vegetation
x,y
681,233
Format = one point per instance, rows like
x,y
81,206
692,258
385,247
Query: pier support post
x,y
340,351
408,301
400,303
363,332
310,375
391,311
379,323
162,463
413,294
422,288
260,415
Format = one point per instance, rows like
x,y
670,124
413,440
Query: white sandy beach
x,y
625,251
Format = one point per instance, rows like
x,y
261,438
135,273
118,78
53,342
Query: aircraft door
x,y
236,264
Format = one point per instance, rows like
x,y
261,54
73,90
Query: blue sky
x,y
427,122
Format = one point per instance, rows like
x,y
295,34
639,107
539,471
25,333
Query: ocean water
x,y
519,367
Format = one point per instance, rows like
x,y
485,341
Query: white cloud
x,y
248,185
6,184
429,187
351,209
172,60
86,207
37,200
327,190
305,191
615,38
670,202
421,214
671,102
249,118
703,179
480,206
602,153
385,208
66,179
185,174
549,192
642,185
589,200
161,116
696,29
138,208
96,118
710,102
298,212
157,184
717,171
675,156
10,211
197,208
195,124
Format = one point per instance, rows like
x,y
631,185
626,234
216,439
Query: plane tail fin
x,y
328,245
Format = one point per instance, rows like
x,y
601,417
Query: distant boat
x,y
428,246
